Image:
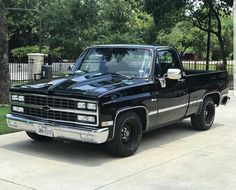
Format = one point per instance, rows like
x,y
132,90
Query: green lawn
x,y
3,126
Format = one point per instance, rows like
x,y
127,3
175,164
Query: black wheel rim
x,y
128,134
209,114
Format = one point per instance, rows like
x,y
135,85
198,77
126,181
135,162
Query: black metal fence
x,y
213,66
61,67
20,72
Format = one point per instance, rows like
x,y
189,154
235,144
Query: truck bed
x,y
207,80
201,83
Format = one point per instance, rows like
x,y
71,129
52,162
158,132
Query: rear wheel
x,y
128,135
204,120
37,137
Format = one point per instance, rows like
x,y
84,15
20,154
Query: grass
x,y
3,125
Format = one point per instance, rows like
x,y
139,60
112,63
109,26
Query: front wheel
x,y
128,135
37,137
204,120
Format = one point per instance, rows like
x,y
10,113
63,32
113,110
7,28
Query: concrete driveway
x,y
174,157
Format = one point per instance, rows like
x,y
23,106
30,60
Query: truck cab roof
x,y
152,47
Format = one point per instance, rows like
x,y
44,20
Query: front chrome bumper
x,y
85,134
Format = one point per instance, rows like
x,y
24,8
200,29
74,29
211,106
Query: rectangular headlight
x,y
91,106
14,97
91,119
82,118
85,118
18,109
81,105
21,98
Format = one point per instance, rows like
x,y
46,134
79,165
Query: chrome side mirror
x,y
174,74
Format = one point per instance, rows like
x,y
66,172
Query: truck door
x,y
172,100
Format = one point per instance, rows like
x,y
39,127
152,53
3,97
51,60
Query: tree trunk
x,y
4,65
208,40
223,52
220,39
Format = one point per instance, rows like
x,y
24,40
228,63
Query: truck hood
x,y
86,84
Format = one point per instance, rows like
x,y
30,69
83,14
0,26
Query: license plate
x,y
44,130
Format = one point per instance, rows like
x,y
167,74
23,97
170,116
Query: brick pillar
x,y
35,61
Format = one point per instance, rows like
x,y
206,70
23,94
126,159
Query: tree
x,y
4,71
70,24
184,38
165,12
123,22
227,33
199,12
75,25
22,24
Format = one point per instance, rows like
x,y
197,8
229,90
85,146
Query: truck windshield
x,y
130,62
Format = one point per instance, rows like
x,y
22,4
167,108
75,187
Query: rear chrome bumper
x,y
85,134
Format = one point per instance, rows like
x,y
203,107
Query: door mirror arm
x,y
172,74
162,81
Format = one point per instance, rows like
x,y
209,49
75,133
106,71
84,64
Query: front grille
x,y
51,101
55,115
55,108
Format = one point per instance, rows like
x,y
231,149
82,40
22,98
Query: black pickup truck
x,y
115,93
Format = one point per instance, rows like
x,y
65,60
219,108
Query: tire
x,y
37,137
204,120
128,135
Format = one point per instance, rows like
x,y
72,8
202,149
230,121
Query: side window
x,y
167,60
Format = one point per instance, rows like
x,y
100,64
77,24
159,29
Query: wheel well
x,y
215,97
143,116
142,113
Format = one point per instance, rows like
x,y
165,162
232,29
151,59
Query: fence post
x,y
195,65
35,61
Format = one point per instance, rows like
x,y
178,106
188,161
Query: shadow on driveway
x,y
93,155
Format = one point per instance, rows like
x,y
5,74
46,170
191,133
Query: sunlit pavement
x,y
174,157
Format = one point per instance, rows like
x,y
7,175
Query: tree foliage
x,y
183,37
22,25
165,12
198,12
69,26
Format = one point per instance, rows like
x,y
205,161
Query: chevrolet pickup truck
x,y
115,93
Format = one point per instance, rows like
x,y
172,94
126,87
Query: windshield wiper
x,y
116,73
78,72
123,75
